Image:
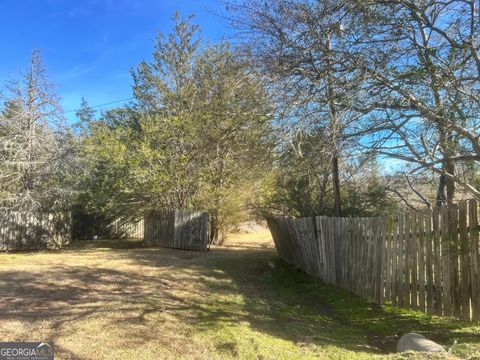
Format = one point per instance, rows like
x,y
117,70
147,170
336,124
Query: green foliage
x,y
197,136
85,115
366,195
105,181
300,185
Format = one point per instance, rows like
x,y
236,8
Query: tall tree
x,y
166,84
302,46
235,135
34,147
85,115
197,132
165,96
405,73
420,58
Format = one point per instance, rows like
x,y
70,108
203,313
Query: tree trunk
x,y
334,132
214,228
336,187
450,183
442,191
323,189
217,232
446,185
217,236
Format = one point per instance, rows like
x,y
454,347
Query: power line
x,y
101,105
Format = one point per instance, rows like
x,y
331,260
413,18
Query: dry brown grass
x,y
106,303
110,300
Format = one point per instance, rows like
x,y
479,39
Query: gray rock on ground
x,y
417,342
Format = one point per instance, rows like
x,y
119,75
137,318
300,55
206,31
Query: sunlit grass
x,y
111,300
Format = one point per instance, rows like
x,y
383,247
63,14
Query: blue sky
x,y
89,46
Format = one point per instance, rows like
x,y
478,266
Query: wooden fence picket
x,y
414,262
436,239
421,261
473,227
464,262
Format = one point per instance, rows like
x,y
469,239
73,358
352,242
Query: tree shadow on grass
x,y
67,296
136,288
286,303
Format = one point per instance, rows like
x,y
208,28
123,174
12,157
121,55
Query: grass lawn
x,y
113,300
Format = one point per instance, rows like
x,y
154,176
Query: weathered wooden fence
x,y
20,231
127,229
178,229
85,226
426,260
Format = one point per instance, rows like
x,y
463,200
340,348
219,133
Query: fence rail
x,y
21,231
427,260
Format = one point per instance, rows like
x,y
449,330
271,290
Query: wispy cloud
x,y
75,72
80,12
